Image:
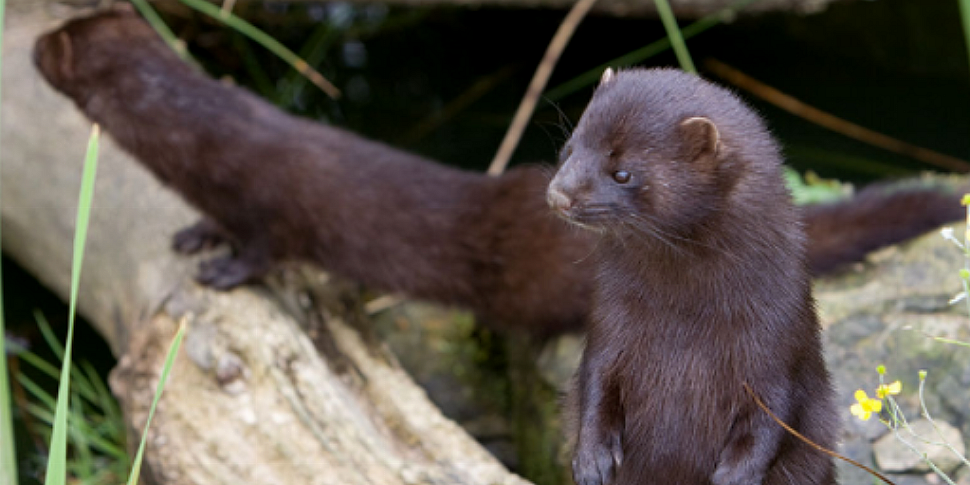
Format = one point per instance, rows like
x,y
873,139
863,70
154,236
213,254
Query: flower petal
x,y
859,412
886,389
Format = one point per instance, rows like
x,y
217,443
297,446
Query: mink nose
x,y
557,200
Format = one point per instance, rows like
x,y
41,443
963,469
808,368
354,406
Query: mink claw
x,y
198,237
595,466
224,273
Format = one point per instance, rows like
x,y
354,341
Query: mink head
x,y
83,52
656,151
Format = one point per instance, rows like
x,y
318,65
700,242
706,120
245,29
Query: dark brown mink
x,y
701,287
278,188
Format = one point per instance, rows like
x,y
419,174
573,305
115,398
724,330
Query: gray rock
x,y
894,455
878,312
559,360
886,311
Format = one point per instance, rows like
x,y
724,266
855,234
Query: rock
x,y
559,360
893,455
885,311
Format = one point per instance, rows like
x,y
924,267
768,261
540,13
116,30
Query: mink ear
x,y
65,56
608,76
699,139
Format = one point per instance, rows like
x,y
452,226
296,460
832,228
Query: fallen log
x,y
252,398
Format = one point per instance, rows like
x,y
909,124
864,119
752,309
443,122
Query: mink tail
x,y
879,215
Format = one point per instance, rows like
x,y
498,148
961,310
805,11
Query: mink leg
x,y
596,460
202,235
227,272
599,449
753,444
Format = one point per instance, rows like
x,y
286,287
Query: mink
x,y
279,188
701,287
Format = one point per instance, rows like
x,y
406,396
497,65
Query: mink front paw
x,y
197,237
225,272
596,464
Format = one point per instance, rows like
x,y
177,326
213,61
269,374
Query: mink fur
x,y
701,287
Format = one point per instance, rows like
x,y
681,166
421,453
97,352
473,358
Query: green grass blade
x,y
8,456
320,41
81,230
965,18
57,462
676,39
35,361
43,410
591,76
82,458
38,392
79,381
173,350
105,401
254,67
265,40
44,415
48,334
153,19
951,341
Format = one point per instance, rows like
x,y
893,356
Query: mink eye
x,y
621,176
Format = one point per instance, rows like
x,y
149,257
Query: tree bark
x,y
252,399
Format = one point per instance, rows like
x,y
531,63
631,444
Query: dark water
x,y
895,66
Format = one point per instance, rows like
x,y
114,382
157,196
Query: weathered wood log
x,y
252,398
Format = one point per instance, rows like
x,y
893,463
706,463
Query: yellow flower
x,y
886,389
865,406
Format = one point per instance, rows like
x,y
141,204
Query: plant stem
x,y
643,53
676,39
8,456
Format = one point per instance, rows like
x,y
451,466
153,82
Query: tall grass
x,y
85,438
57,461
965,19
173,350
97,433
8,457
676,38
153,19
70,417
